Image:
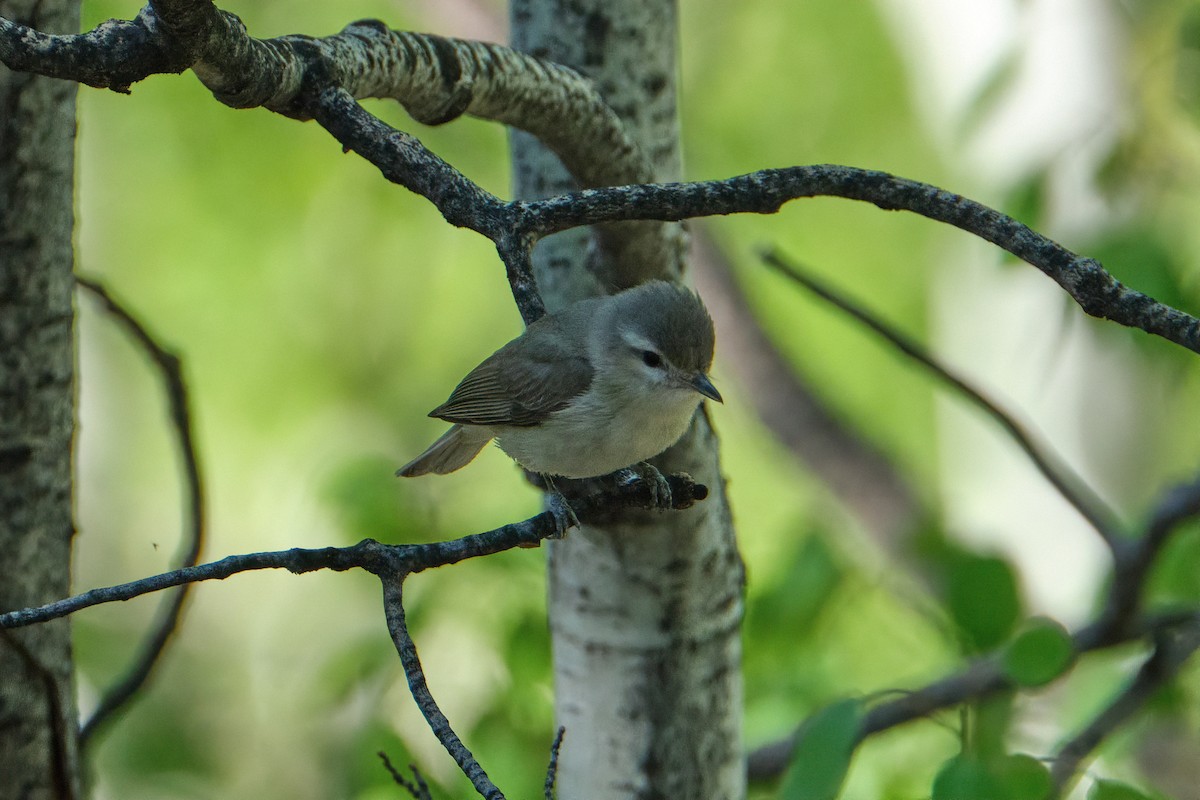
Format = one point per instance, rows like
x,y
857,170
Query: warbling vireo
x,y
600,385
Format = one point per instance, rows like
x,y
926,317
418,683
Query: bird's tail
x,y
453,450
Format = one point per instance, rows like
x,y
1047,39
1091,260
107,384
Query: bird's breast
x,y
596,436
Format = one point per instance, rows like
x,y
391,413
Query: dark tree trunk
x,y
37,385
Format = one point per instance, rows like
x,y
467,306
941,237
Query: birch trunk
x,y
645,613
37,140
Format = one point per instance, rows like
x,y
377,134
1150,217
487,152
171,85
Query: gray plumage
x,y
600,385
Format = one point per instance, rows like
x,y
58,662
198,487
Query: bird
x,y
605,383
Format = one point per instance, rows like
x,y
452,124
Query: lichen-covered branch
x,y
435,78
439,78
765,192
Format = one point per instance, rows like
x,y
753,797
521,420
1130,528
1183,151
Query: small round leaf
x,y
1041,652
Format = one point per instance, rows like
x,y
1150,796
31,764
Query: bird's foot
x,y
655,481
564,515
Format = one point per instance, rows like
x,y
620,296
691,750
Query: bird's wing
x,y
522,382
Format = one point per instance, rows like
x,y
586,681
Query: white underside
x,y
595,438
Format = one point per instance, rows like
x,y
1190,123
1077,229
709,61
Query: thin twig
x,y
552,768
416,787
393,604
1179,505
1172,652
171,371
873,488
1068,483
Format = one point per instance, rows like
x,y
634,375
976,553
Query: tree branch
x,y
417,787
981,678
1134,558
552,768
765,192
393,605
373,556
301,76
1066,481
857,472
1174,648
435,78
171,371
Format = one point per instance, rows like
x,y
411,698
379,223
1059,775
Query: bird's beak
x,y
701,383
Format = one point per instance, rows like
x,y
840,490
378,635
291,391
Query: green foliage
x,y
823,751
979,592
1115,790
1041,652
1175,579
1005,777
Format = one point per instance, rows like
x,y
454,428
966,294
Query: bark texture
x,y
37,133
645,612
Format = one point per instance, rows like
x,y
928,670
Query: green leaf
x,y
1023,777
1174,578
1115,790
981,592
961,776
823,752
1039,654
1012,777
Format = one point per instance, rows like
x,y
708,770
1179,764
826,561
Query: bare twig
x,y
1174,648
1068,484
765,192
1136,557
417,787
177,397
552,768
393,606
859,474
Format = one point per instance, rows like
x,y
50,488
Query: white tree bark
x,y
645,613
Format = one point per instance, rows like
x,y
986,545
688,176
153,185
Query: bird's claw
x,y
564,515
656,483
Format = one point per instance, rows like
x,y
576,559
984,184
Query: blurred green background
x,y
321,312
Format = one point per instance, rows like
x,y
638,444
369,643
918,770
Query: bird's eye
x,y
651,359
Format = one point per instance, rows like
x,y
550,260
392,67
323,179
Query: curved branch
x,y
1135,558
290,74
1057,473
181,421
115,55
1096,291
435,78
